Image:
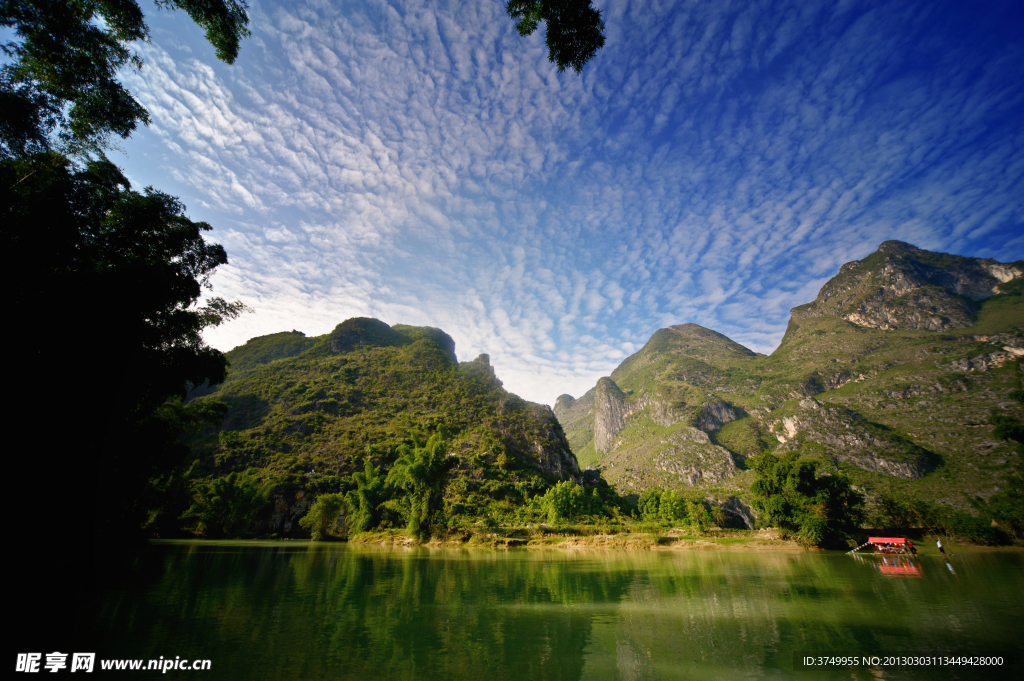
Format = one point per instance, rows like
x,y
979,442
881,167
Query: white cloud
x,y
716,163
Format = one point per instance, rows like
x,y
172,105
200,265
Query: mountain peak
x,y
691,329
900,286
894,246
369,332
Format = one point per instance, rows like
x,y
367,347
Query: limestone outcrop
x,y
609,414
903,287
848,436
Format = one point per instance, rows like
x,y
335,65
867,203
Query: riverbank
x,y
768,539
728,540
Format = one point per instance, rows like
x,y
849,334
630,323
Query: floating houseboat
x,y
897,545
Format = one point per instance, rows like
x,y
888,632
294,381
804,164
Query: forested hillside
x,y
305,414
899,374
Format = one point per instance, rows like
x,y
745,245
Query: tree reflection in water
x,y
297,610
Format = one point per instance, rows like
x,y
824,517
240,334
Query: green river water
x,y
295,610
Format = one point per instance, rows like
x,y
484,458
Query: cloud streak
x,y
716,163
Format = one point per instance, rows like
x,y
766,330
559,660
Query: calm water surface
x,y
290,610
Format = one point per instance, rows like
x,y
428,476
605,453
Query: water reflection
x,y
893,565
294,610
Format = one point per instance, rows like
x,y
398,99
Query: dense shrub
x,y
789,494
903,511
669,506
227,506
324,519
568,501
328,484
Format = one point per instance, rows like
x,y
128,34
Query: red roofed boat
x,y
898,545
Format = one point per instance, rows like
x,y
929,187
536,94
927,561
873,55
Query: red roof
x,y
894,570
886,540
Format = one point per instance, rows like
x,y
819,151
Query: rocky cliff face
x,y
668,382
577,419
683,457
852,439
542,443
282,517
903,287
713,415
609,414
868,378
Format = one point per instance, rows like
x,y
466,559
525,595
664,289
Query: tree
x,y
364,501
788,493
106,291
108,282
226,506
61,85
565,501
698,516
323,516
417,476
671,506
574,33
649,505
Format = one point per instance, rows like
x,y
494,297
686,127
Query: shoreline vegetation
x,y
419,501
767,539
762,540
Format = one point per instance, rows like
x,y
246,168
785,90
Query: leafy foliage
x,y
902,511
568,501
224,21
364,501
416,476
575,31
328,484
669,506
109,278
788,494
226,506
323,516
128,268
62,78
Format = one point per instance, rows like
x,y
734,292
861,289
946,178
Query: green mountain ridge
x,y
882,376
890,374
303,413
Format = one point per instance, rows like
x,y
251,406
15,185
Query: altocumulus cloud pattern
x,y
421,163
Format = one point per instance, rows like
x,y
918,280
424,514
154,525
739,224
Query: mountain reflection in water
x,y
284,610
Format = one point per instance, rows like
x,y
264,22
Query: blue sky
x,y
716,163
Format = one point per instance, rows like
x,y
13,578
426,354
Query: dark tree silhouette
x,y
102,284
574,32
106,279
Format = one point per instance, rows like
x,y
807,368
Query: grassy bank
x,y
594,537
641,537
